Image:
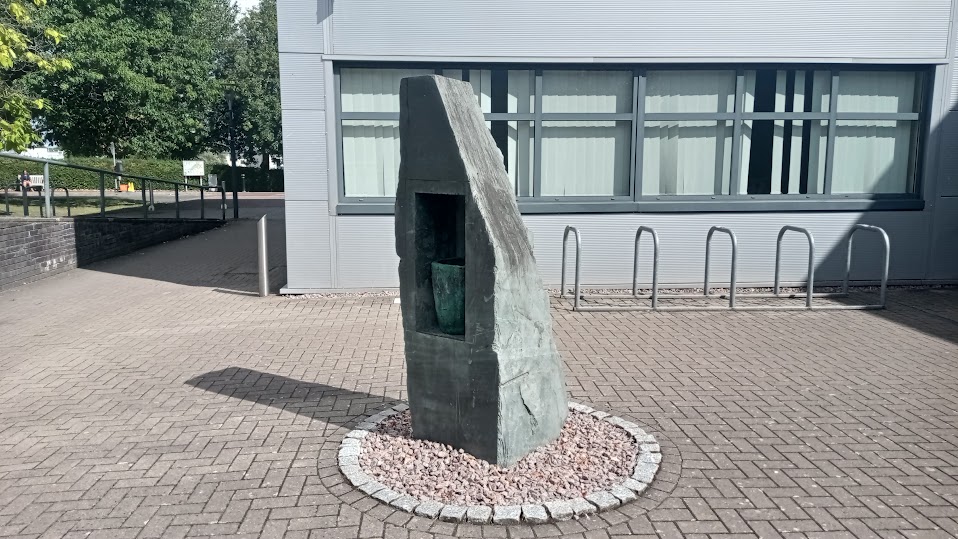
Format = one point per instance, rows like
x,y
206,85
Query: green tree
x,y
253,75
26,46
144,75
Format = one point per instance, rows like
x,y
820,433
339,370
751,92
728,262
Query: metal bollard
x,y
102,195
47,191
263,261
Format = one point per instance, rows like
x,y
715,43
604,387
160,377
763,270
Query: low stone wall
x,y
33,248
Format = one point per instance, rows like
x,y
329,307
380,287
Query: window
x,y
687,150
371,144
581,154
878,154
639,135
784,155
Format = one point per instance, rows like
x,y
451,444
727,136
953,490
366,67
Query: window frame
x,y
635,202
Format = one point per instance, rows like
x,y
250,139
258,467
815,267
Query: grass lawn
x,y
79,205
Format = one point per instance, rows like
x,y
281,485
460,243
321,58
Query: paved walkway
x,y
152,396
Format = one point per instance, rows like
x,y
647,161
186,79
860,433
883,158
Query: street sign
x,y
193,169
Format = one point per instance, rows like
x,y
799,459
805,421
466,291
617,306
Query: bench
x,y
36,182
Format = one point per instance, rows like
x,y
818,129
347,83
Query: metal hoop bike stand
x,y
708,254
886,243
578,264
654,296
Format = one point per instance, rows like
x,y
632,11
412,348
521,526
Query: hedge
x,y
164,169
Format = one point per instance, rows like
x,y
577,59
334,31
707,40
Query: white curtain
x,y
584,157
875,156
586,91
374,90
521,99
688,157
370,157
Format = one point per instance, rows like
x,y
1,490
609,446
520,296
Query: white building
x,y
613,114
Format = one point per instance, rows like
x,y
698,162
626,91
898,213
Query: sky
x,y
245,4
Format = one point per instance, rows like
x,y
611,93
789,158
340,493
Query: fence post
x,y
47,188
26,201
146,209
202,204
176,197
102,195
223,206
263,262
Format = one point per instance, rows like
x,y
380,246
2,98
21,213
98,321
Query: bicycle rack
x,y
578,263
708,253
655,264
886,243
776,294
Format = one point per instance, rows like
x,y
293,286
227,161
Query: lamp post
x,y
230,101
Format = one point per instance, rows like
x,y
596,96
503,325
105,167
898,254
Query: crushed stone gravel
x,y
589,455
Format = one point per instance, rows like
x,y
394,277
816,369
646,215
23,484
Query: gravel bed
x,y
590,455
345,295
747,290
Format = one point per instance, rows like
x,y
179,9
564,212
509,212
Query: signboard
x,y
193,169
213,180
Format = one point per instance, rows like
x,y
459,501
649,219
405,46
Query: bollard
x,y
102,195
47,190
263,262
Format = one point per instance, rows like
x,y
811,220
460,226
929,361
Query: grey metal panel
x,y
307,245
367,256
948,157
625,28
366,250
300,25
302,81
304,155
607,246
944,259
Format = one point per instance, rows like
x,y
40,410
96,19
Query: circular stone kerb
x,y
646,466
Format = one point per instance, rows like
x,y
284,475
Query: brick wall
x,y
33,249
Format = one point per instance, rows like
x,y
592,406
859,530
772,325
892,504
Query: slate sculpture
x,y
497,389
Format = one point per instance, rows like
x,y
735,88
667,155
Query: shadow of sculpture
x,y
313,400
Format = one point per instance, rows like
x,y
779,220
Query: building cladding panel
x,y
608,246
326,250
626,28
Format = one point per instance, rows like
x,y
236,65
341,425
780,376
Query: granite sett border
x,y
647,465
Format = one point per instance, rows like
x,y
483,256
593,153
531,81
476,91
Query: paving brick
x,y
162,399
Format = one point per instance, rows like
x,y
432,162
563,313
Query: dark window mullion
x,y
499,93
787,132
806,133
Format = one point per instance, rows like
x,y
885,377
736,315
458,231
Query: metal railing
x,y
706,289
147,183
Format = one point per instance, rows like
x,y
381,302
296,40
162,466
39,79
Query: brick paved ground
x,y
151,396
